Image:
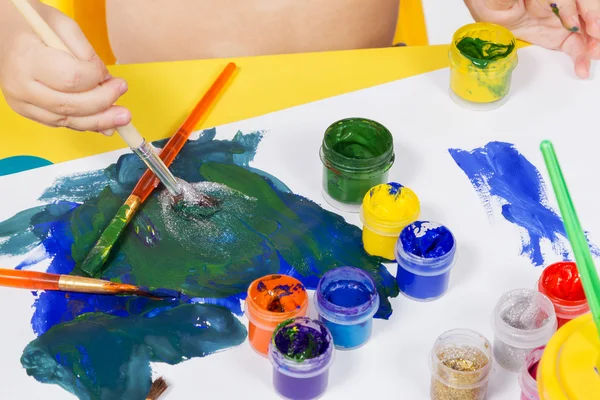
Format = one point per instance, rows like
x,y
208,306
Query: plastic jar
x,y
477,82
425,253
386,209
460,363
528,375
568,368
271,300
300,373
346,300
357,154
523,319
560,282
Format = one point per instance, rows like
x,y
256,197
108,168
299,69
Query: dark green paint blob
x,y
482,52
97,356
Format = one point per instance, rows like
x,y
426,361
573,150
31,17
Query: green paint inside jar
x,y
357,154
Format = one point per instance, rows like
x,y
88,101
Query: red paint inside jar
x,y
562,281
533,370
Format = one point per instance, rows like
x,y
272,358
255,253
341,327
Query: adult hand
x,y
572,26
51,86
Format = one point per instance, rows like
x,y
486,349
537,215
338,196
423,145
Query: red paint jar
x,y
560,282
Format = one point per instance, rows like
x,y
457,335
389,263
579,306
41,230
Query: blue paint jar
x,y
346,300
425,253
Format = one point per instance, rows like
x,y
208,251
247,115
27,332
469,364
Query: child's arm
x,y
50,86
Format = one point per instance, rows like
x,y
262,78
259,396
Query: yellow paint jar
x,y
482,59
567,370
386,209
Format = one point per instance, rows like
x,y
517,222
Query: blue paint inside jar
x,y
425,253
346,300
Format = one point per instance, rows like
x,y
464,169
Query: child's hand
x,y
534,21
54,88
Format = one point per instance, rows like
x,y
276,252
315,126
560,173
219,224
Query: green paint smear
x,y
97,356
16,235
483,52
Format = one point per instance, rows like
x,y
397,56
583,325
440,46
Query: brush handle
x,y
29,279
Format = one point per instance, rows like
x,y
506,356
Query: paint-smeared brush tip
x,y
158,387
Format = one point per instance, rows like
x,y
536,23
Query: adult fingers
x,y
576,48
64,73
590,12
567,12
81,104
107,120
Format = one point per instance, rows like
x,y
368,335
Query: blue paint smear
x,y
304,241
499,170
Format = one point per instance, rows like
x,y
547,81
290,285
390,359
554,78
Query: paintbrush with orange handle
x,y
33,280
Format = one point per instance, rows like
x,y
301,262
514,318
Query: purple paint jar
x,y
301,352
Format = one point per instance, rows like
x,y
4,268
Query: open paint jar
x,y
301,352
346,300
386,209
482,59
528,375
523,319
271,300
460,363
425,253
568,369
357,154
561,283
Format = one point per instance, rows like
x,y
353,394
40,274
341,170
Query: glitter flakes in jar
x,y
460,362
522,320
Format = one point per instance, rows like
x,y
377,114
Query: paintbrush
x,y
576,235
158,387
128,133
92,265
33,280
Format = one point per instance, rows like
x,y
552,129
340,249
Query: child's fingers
x,y
567,12
590,12
576,48
105,121
593,47
60,71
82,104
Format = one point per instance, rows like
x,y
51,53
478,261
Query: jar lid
x,y
568,368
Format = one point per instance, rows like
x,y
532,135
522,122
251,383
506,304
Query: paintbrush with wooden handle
x,y
33,280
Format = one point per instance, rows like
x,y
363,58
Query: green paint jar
x,y
357,154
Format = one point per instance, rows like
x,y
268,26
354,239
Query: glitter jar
x,y
301,352
386,209
528,374
561,283
461,364
271,300
346,300
482,59
523,319
357,154
568,369
425,253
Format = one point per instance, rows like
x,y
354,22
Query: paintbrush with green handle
x,y
579,243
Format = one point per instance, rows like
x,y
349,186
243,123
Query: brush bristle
x,y
158,387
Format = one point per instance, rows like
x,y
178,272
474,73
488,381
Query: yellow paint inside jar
x,y
568,369
386,209
481,73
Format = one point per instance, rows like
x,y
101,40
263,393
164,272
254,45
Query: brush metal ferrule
x,y
149,156
81,284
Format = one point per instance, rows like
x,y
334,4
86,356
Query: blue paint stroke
x,y
499,171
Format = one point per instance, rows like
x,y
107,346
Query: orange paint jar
x,y
271,300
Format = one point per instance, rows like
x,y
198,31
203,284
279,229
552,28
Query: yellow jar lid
x,y
567,370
